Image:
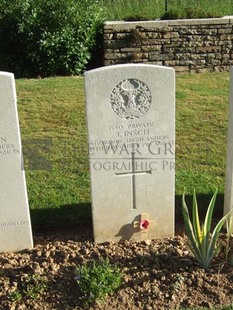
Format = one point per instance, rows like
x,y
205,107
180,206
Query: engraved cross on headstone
x,y
133,174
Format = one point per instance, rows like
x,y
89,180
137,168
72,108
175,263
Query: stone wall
x,y
200,45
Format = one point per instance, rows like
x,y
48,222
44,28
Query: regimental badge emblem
x,y
130,99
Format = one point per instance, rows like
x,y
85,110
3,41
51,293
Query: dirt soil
x,y
158,274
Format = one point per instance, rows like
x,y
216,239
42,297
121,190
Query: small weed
x,y
179,279
34,286
98,279
31,287
15,296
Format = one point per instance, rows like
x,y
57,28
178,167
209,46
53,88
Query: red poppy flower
x,y
144,224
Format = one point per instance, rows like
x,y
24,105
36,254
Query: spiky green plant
x,y
203,242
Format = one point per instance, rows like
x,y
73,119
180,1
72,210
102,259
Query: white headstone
x,y
131,129
228,200
15,226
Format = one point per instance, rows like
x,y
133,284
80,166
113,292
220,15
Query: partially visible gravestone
x,y
15,226
131,131
228,200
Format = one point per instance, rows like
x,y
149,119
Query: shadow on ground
x,y
61,219
78,216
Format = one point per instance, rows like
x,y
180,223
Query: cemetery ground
x,y
160,274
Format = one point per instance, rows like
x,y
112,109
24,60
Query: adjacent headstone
x,y
15,226
131,129
228,200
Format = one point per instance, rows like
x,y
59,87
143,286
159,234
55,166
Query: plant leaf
x,y
196,221
209,214
214,237
189,229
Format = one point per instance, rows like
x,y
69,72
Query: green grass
x,y
53,129
201,128
133,9
154,9
54,135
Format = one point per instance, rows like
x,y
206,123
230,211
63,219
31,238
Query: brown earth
x,y
158,274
